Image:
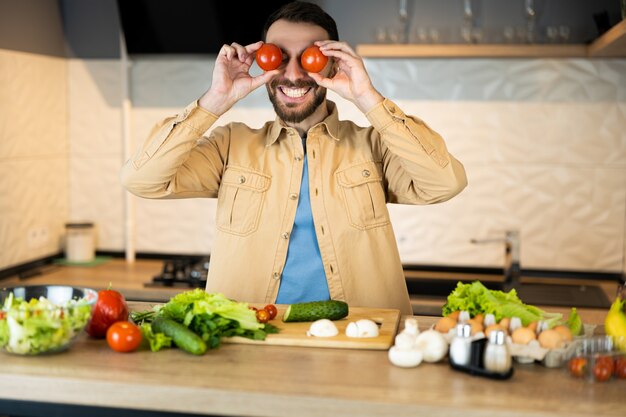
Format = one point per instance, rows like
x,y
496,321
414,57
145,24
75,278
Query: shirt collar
x,y
330,123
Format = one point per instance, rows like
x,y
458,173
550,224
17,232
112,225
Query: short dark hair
x,y
304,12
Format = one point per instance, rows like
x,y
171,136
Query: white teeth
x,y
294,92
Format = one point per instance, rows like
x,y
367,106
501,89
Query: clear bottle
x,y
460,346
497,357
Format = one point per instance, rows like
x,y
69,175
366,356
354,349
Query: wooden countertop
x,y
293,381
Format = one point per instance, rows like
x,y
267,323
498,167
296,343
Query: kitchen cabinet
x,y
611,44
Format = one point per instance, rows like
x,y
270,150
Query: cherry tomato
x,y
272,310
269,57
124,336
577,367
603,368
110,307
620,367
313,60
262,316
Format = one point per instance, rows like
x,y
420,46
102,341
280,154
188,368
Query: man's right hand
x,y
231,78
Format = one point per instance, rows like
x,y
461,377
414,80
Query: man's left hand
x,y
349,78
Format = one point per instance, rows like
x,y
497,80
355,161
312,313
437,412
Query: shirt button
x,y
298,158
366,173
392,110
285,235
293,196
241,179
275,275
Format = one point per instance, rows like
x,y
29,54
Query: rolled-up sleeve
x,y
177,160
416,162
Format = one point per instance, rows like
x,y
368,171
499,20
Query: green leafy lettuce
x,y
575,323
211,316
476,298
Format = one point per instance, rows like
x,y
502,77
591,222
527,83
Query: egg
x,y
550,339
477,326
493,327
323,328
533,326
565,332
523,336
454,315
445,324
362,328
505,322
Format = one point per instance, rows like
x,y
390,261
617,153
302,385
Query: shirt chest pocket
x,y
364,195
240,200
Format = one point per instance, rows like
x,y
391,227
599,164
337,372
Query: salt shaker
x,y
461,345
497,357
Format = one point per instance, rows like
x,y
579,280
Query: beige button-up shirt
x,y
256,173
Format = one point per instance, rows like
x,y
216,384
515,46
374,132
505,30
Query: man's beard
x,y
284,111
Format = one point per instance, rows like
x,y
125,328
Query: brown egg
x,y
550,339
565,332
454,315
445,324
533,326
477,326
505,323
523,335
493,327
479,317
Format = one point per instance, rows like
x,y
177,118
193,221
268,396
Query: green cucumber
x,y
316,310
180,334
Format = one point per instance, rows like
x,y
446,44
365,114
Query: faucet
x,y
512,268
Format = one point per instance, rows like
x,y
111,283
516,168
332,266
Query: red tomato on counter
x,y
110,307
620,367
603,368
124,336
313,60
271,309
269,57
577,366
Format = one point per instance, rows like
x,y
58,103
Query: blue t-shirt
x,y
303,277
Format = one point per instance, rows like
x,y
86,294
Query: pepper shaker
x,y
497,357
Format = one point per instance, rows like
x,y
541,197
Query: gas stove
x,y
182,273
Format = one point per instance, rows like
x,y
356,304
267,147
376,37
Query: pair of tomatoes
x,y
603,368
269,57
110,319
265,314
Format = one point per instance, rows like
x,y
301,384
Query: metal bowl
x,y
43,318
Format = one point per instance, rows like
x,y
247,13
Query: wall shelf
x,y
612,44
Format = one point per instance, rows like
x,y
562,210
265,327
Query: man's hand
x,y
349,78
231,78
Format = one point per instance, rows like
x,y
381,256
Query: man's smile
x,y
294,92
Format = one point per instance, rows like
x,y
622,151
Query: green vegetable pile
x,y
36,326
475,298
210,316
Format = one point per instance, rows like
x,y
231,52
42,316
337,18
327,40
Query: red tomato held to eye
x,y
124,336
110,307
313,60
269,57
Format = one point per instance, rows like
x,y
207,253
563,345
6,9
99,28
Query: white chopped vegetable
x,y
323,328
362,328
405,358
411,326
433,345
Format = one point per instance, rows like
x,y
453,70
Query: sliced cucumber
x,y
316,310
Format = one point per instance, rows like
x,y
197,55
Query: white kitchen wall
x,y
543,142
34,193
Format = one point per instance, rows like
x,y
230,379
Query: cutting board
x,y
294,334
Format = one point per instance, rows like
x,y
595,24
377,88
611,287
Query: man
x,y
301,211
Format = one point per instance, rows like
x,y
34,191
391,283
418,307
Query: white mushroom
x,y
432,344
362,328
323,328
405,358
411,326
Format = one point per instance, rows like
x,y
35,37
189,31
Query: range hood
x,y
191,26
